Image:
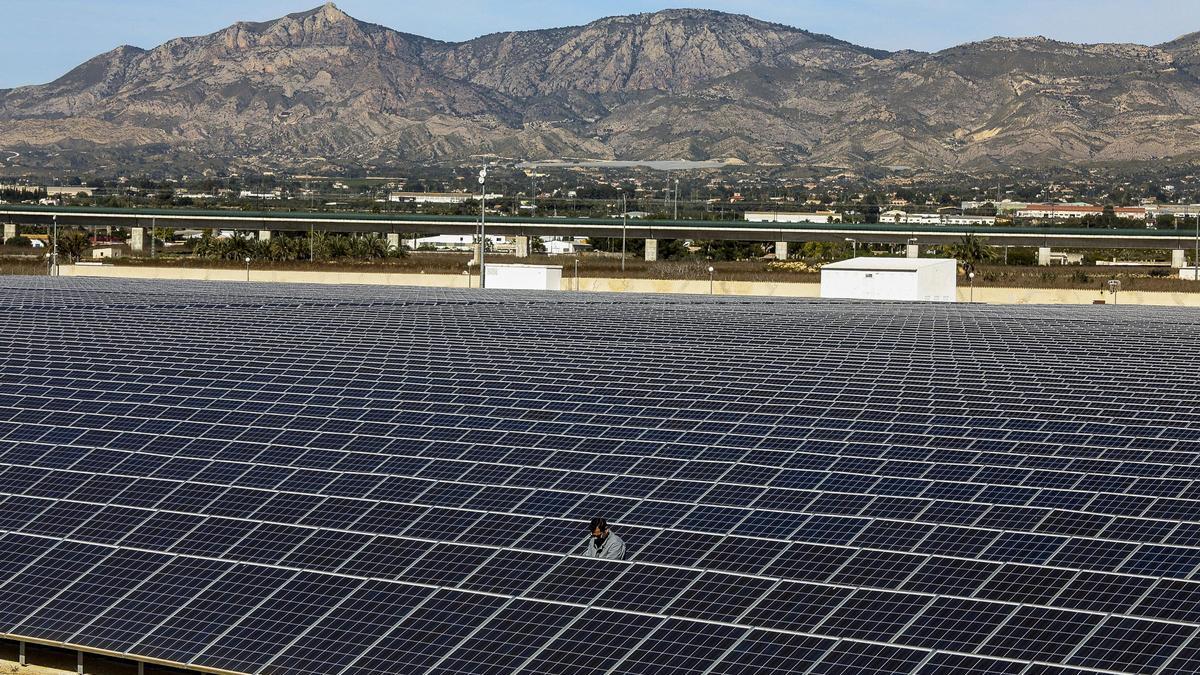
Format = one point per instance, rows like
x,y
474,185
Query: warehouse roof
x,y
896,264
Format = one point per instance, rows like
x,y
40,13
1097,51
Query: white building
x,y
1079,211
455,242
903,218
786,217
1004,206
919,279
437,197
525,277
565,245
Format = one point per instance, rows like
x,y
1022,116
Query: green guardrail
x,y
636,223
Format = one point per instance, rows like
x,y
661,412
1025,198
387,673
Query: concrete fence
x,y
992,295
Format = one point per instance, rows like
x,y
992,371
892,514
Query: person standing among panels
x,y
603,543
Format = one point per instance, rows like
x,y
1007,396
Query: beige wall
x,y
1018,296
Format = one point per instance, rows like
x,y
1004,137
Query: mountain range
x,y
319,89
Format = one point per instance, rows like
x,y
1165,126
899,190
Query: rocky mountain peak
x,y
688,83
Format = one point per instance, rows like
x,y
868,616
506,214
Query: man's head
x,y
599,527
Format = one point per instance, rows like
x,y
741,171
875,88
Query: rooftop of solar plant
x,y
336,479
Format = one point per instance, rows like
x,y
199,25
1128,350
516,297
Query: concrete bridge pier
x,y
1178,258
651,250
522,246
393,241
10,231
137,239
1043,256
264,235
913,251
781,250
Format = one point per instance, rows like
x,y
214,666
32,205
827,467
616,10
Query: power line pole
x,y
482,225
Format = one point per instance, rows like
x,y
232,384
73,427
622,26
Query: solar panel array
x,y
301,479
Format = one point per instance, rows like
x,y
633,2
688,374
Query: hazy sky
x,y
42,39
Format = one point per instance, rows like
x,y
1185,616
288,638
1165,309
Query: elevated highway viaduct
x,y
137,221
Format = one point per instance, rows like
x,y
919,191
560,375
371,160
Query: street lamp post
x,y
710,279
853,246
676,199
1196,255
54,249
624,221
247,268
577,274
483,225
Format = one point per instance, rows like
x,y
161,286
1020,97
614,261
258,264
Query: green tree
x,y
633,247
19,241
72,244
825,251
971,249
725,250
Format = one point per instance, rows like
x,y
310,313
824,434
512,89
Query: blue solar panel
x,y
344,485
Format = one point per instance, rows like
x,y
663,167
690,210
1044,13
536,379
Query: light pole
x,y
483,225
853,246
676,199
247,268
710,279
1195,256
624,221
577,275
54,255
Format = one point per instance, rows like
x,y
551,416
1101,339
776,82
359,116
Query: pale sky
x,y
42,39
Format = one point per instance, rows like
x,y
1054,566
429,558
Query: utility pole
x,y
482,225
624,220
1195,256
676,199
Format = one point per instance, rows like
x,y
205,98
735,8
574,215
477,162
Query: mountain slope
x,y
321,88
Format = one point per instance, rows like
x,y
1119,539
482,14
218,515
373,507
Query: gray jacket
x,y
612,548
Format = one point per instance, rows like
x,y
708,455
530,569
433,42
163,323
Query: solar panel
x,y
302,479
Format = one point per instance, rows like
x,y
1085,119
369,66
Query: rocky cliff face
x,y
322,87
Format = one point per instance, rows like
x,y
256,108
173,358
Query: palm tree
x,y
72,244
971,249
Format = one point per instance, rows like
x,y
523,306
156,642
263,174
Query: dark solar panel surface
x,y
300,479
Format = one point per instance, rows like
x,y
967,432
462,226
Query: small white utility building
x,y
524,277
920,279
